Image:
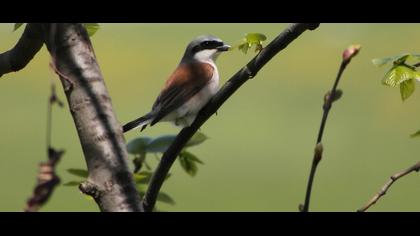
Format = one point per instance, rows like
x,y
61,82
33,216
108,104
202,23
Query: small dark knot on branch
x,y
90,189
330,97
249,72
333,96
301,209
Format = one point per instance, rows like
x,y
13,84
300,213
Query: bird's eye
x,y
205,43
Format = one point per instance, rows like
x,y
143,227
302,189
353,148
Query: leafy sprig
x,y
401,74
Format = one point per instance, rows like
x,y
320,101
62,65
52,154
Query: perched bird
x,y
189,88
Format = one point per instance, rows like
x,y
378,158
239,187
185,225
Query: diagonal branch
x,y
243,75
22,53
384,189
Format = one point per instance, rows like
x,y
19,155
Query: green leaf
x,y
91,28
164,197
141,188
196,139
407,88
191,157
72,183
160,144
138,145
17,26
398,74
244,47
143,177
416,134
189,166
401,59
78,172
255,38
188,162
382,61
250,40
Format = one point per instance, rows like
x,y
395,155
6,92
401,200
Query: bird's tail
x,y
142,121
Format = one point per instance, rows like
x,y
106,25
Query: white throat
x,y
207,56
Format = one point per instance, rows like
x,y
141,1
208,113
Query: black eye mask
x,y
212,44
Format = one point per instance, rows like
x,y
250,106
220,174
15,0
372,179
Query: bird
x,y
189,88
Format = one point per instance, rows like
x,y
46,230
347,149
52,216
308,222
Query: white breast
x,y
185,115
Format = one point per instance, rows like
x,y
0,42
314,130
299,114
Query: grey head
x,y
204,48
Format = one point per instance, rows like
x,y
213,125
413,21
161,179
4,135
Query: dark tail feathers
x,y
144,120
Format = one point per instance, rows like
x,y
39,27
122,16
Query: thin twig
x,y
384,189
247,72
47,179
51,101
329,98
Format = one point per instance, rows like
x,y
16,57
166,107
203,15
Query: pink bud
x,y
350,52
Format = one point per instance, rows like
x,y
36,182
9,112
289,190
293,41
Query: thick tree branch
x,y
331,96
243,75
22,53
99,131
384,189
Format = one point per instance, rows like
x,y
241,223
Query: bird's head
x,y
204,48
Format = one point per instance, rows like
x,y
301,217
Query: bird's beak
x,y
223,48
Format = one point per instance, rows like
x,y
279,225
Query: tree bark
x,y
110,181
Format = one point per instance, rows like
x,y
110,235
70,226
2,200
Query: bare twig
x,y
384,189
47,180
247,72
51,101
329,98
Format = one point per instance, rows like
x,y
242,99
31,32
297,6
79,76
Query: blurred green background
x,y
261,142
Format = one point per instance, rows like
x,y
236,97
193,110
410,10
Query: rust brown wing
x,y
186,81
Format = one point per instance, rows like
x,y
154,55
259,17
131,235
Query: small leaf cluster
x,y
140,146
250,40
401,74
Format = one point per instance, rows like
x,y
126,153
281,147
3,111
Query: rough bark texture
x,y
110,182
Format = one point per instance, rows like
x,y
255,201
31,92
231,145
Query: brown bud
x,y
337,95
318,152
